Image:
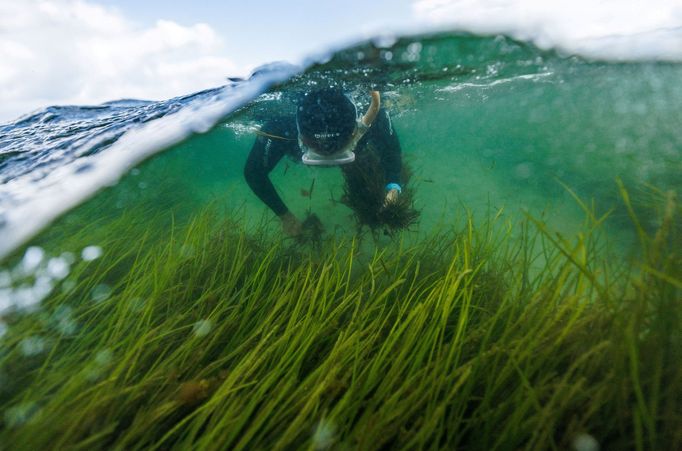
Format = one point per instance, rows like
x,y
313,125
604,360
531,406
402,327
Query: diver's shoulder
x,y
383,122
384,114
282,126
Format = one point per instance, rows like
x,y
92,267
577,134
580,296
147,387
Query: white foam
x,y
631,30
490,84
32,204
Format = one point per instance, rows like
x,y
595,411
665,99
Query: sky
x,y
92,51
258,31
85,52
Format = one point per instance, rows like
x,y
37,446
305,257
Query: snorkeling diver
x,y
326,131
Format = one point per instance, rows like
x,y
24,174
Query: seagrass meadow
x,y
534,300
211,337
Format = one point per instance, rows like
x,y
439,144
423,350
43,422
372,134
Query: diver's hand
x,y
291,226
391,196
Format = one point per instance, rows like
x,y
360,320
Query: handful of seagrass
x,y
365,194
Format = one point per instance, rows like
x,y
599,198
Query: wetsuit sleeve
x,y
386,141
264,156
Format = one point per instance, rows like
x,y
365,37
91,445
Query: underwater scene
x,y
522,290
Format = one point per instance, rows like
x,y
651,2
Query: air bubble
x,y
19,414
32,259
31,346
65,323
202,328
5,299
585,442
99,364
43,286
413,52
104,357
91,253
524,170
27,296
5,279
323,438
101,292
58,268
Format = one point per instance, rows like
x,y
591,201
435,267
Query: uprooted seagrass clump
x,y
212,337
365,194
312,231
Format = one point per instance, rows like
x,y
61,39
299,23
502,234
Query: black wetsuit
x,y
283,140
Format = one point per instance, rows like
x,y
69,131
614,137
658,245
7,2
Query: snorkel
x,y
344,155
373,109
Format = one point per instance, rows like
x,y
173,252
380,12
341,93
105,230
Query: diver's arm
x,y
263,157
388,144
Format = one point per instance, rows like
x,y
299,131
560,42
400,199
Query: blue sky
x,y
265,30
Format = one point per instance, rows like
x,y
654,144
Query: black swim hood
x,y
327,120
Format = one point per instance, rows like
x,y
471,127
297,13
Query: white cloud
x,y
613,29
76,52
